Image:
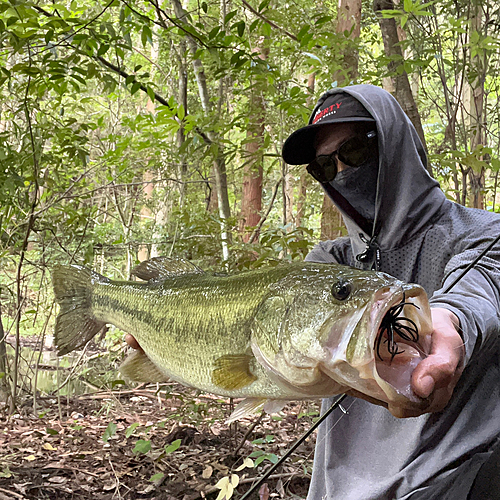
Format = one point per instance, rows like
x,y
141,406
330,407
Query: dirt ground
x,y
145,444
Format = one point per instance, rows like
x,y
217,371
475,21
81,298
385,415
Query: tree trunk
x,y
476,120
219,164
304,178
143,252
348,19
400,82
251,198
4,384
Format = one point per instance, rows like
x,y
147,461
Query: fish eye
x,y
341,290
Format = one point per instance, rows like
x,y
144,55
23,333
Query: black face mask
x,y
359,186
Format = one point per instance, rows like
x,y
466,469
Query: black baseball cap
x,y
339,107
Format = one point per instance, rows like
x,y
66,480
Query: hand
x,y
436,376
130,340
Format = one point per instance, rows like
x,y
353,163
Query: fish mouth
x,y
400,316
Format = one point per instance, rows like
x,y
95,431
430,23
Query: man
x,y
366,154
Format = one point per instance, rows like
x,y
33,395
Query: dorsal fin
x,y
159,268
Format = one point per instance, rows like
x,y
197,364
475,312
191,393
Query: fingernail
x,y
426,386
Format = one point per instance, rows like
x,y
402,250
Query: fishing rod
x,y
297,443
336,403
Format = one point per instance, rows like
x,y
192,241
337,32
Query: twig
x,y
250,430
73,33
268,211
117,485
31,222
143,87
58,393
73,368
258,14
247,480
12,494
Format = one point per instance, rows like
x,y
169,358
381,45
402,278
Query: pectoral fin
x,y
246,408
232,371
250,406
137,366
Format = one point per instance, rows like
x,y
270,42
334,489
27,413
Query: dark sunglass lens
x,y
358,150
323,168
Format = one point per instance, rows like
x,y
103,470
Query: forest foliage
x,y
132,129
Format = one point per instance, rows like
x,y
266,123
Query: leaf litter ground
x,y
145,444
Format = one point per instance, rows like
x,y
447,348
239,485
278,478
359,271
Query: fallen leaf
x,y
109,486
30,458
49,447
57,479
264,492
207,472
248,462
280,489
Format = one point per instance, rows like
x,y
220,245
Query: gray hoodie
x,y
422,237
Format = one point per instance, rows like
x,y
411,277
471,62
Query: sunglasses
x,y
354,153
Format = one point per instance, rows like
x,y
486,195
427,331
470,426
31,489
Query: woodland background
x,y
131,129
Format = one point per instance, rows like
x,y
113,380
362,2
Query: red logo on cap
x,y
324,112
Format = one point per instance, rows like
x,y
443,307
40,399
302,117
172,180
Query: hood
x,y
407,196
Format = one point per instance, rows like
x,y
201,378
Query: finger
x,y
130,340
442,368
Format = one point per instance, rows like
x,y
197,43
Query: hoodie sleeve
x,y
336,251
475,299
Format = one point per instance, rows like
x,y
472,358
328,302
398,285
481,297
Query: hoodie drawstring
x,y
371,255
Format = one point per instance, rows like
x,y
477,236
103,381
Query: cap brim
x,y
299,147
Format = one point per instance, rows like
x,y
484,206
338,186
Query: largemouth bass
x,y
296,331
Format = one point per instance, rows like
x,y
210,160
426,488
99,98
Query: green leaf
x,y
229,16
135,87
109,432
114,383
146,35
131,429
266,29
103,48
50,431
322,20
254,25
142,446
173,446
263,5
157,477
241,28
214,32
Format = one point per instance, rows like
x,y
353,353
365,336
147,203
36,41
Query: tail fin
x,y
75,323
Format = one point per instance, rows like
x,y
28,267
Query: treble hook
x,y
393,323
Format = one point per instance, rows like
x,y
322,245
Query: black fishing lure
x,y
394,323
